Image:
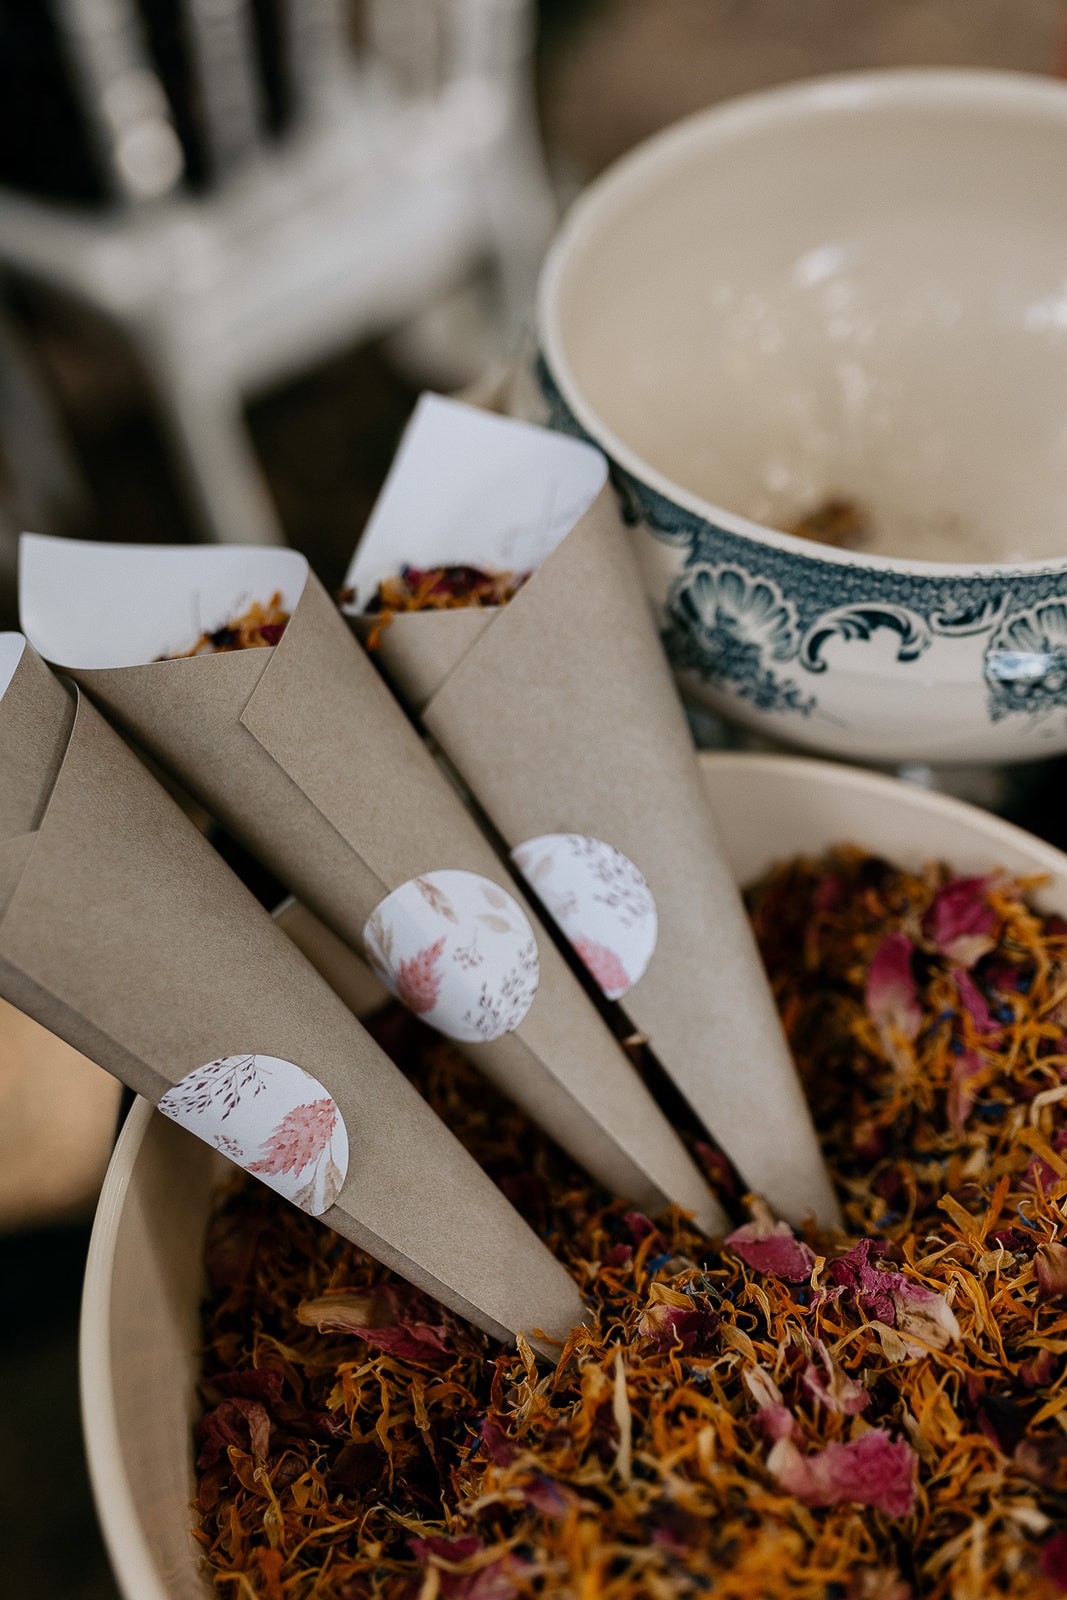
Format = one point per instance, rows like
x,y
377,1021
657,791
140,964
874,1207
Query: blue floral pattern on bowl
x,y
754,624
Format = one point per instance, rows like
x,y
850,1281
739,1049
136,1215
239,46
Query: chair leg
x,y
48,490
218,464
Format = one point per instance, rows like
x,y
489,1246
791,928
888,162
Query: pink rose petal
x,y
1050,1264
872,1470
772,1248
773,1419
974,1003
962,1088
890,997
960,920
690,1327
868,1286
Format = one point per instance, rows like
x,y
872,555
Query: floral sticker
x,y
599,900
273,1119
458,951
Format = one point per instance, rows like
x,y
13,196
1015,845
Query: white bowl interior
x,y
144,1277
857,286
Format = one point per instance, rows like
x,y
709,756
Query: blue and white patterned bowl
x,y
855,286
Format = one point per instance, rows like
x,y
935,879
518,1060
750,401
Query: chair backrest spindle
x,y
319,52
224,60
126,109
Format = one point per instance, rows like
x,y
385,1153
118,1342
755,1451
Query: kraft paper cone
x,y
123,932
301,752
559,713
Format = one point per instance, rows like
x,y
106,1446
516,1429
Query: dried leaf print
x,y
332,1179
299,1139
378,939
496,897
224,1083
417,981
436,898
491,920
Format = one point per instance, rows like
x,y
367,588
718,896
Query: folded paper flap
x,y
178,710
576,659
36,715
14,854
419,649
468,486
325,717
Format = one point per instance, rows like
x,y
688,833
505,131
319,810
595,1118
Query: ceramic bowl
x,y
143,1281
852,287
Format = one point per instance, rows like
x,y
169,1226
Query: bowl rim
x,y
129,1552
954,89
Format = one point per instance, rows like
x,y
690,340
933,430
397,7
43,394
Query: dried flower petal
x,y
1050,1264
967,1068
772,1247
923,1313
691,1327
891,996
872,1470
960,921
837,1391
374,1318
636,1463
974,1002
870,1288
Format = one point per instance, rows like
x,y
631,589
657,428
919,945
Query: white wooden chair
x,y
407,164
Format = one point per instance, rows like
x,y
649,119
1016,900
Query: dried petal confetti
x,y
439,589
772,1247
260,626
877,1414
960,920
891,994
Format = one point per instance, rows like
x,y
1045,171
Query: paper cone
x,y
124,933
559,712
301,752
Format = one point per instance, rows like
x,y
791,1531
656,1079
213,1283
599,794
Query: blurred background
x,y
236,238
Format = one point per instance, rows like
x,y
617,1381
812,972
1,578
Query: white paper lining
x,y
470,487
12,647
87,606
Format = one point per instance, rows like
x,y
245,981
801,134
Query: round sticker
x,y
270,1117
600,902
458,951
